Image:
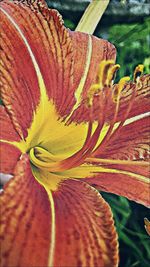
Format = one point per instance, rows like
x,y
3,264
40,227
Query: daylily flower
x,y
66,128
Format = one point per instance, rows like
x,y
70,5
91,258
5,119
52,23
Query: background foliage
x,y
132,44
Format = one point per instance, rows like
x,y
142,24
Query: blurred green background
x,y
126,24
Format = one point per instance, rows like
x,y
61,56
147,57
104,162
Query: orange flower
x,y
65,128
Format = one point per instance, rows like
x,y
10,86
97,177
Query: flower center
x,y
45,160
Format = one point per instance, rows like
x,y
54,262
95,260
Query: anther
x,y
111,74
137,72
102,79
104,67
94,89
119,87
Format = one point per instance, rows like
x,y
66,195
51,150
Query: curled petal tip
x,y
147,225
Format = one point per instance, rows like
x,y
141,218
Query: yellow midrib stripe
x,y
118,171
117,161
80,87
131,174
53,230
50,259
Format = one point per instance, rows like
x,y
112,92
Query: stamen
x,y
137,72
128,110
94,89
111,74
102,79
89,132
105,77
103,71
119,88
103,88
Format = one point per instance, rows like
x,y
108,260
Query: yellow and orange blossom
x,y
66,128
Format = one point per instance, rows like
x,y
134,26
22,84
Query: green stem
x,y
92,16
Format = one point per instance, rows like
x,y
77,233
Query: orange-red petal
x,y
140,104
101,50
141,101
63,57
7,129
122,185
19,84
50,43
131,142
25,220
9,156
88,51
85,235
125,178
125,158
82,224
